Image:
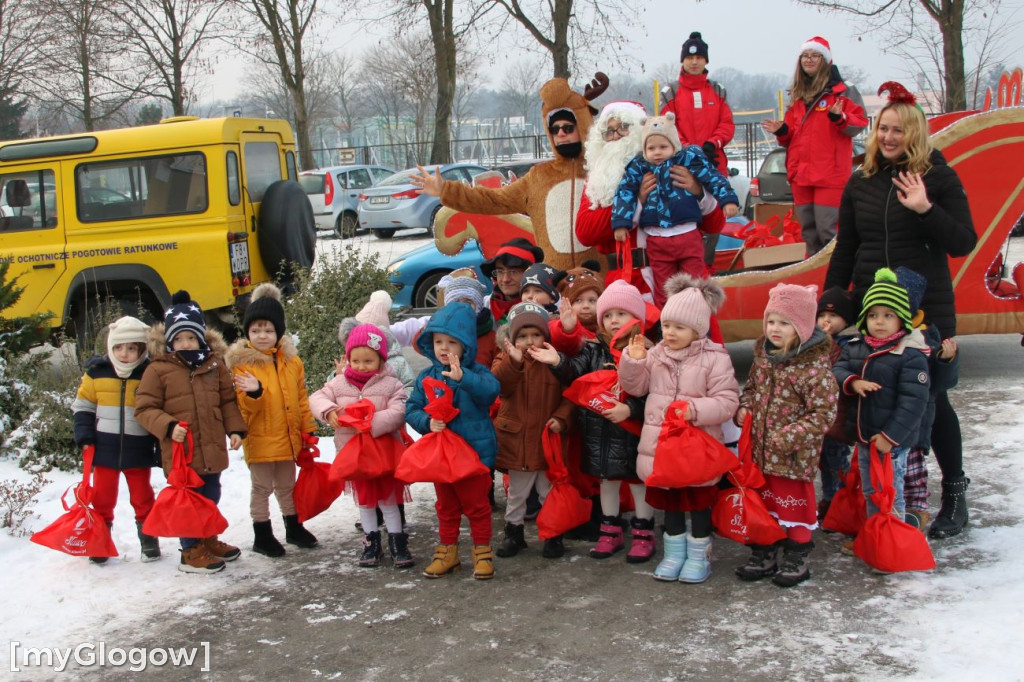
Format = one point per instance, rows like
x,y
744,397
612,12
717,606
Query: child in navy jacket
x,y
449,342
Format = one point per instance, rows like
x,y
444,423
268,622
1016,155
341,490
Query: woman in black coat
x,y
906,206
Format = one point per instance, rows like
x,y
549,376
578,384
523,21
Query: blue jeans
x,y
899,470
211,491
835,462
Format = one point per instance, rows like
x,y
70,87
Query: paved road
x,y
315,614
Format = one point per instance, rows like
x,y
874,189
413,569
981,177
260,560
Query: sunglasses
x,y
568,129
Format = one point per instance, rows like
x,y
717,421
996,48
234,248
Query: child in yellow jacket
x,y
270,382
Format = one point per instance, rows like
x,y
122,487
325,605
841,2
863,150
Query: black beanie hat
x,y
265,305
695,45
839,301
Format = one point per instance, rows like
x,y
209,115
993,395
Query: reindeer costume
x,y
549,193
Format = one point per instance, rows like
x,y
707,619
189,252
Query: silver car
x,y
396,204
334,194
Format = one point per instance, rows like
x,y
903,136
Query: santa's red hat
x,y
819,45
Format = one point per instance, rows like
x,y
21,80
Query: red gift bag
x,y
739,513
314,491
363,457
443,457
687,455
598,391
564,508
885,542
848,510
792,231
180,512
80,531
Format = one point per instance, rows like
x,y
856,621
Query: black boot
x,y
952,516
794,569
150,545
401,512
591,530
398,544
553,548
296,534
512,542
266,544
100,559
761,564
372,550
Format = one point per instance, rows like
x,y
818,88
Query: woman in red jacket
x,y
824,116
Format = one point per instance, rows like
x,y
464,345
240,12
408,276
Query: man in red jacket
x,y
703,117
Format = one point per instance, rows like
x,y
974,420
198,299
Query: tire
x,y
345,226
433,216
425,295
385,233
287,231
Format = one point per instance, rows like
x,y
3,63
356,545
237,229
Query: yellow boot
x,y
483,562
446,560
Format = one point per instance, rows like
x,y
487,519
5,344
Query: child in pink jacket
x,y
367,376
686,366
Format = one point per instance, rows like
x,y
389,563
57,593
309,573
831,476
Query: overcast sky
x,y
755,36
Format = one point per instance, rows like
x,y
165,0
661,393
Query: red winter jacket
x,y
702,115
820,151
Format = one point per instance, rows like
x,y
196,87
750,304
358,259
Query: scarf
x,y
193,358
125,369
484,322
358,378
878,343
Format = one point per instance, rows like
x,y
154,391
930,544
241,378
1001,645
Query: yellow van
x,y
133,215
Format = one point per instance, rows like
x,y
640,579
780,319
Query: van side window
x,y
234,181
150,186
262,167
28,201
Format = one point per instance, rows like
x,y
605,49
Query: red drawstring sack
x,y
179,511
756,234
564,508
885,542
364,457
80,531
739,513
687,455
792,231
443,457
848,510
314,490
598,391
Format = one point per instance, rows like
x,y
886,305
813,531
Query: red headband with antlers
x,y
897,93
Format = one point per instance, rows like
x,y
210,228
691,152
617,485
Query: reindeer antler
x,y
897,93
596,87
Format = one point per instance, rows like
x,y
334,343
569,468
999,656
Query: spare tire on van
x,y
287,230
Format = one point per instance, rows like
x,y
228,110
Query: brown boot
x,y
221,550
446,560
483,562
197,559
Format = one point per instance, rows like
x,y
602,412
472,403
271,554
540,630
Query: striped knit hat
x,y
886,291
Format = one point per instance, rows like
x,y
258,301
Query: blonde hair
x,y
790,345
806,87
916,143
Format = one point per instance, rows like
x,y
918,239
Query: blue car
x,y
416,274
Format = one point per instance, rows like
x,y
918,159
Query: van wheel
x,y
287,230
345,227
386,233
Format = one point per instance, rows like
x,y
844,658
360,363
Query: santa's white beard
x,y
606,162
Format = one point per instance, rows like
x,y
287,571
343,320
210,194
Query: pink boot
x,y
610,540
642,548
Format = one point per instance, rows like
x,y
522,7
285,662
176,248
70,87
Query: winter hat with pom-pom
x,y
665,126
692,302
184,315
265,304
694,45
623,296
796,304
376,309
368,335
886,291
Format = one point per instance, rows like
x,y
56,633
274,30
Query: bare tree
x,y
562,27
342,85
170,37
87,72
906,23
519,89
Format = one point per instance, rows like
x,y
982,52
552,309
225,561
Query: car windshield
x,y
400,178
312,183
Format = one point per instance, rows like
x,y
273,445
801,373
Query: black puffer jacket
x,y
609,451
896,409
876,230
